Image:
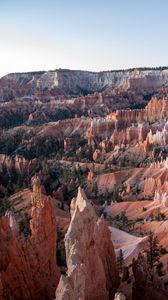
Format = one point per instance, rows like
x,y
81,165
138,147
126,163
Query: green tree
x,y
4,205
125,275
159,268
95,189
60,250
153,252
160,217
124,219
24,225
120,260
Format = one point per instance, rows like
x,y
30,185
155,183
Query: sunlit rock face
x,y
149,186
92,272
159,137
119,296
70,82
156,185
28,268
161,198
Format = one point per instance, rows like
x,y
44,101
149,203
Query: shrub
x,y
144,209
4,206
163,251
160,217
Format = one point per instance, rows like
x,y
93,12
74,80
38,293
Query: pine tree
x,y
159,269
120,260
153,253
125,275
95,189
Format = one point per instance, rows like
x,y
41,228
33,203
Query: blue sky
x,y
88,34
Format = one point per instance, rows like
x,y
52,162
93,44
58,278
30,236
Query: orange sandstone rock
x,y
28,268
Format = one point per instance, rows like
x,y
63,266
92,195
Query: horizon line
x,y
161,68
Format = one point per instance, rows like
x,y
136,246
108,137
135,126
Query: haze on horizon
x,y
87,35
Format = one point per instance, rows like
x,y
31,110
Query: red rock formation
x,y
133,133
59,194
107,255
92,272
69,144
28,267
97,155
90,176
157,183
17,163
156,109
149,187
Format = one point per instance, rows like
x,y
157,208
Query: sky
x,y
90,35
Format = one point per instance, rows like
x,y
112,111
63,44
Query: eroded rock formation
x,y
28,268
92,273
18,163
155,110
161,199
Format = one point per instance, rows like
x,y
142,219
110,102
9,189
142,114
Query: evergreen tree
x,y
4,205
153,252
24,225
120,260
159,269
95,189
125,275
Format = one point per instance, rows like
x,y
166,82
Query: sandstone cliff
x,y
70,82
92,272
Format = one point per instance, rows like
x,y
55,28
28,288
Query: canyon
x,y
84,185
39,97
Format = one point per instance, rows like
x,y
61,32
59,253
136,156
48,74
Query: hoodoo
x,y
28,268
92,273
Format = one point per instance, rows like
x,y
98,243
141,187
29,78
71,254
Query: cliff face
x,y
69,82
76,81
28,268
92,272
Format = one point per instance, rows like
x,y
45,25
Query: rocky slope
x,y
92,272
130,244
